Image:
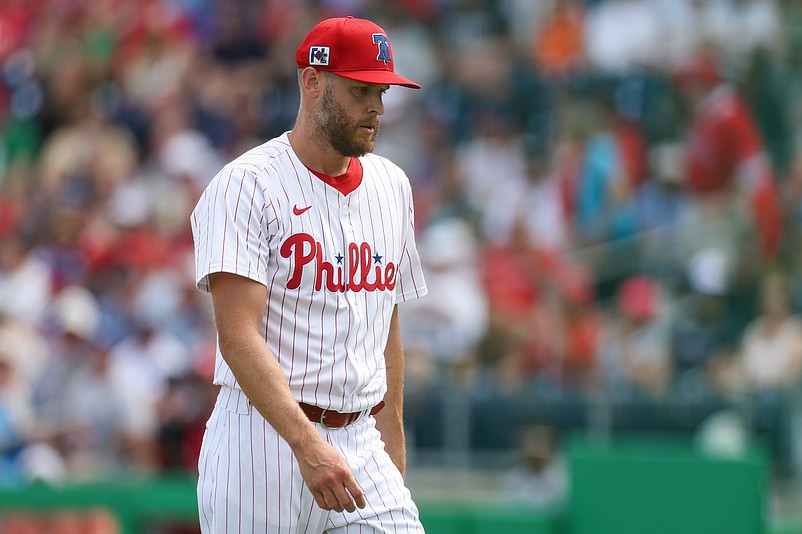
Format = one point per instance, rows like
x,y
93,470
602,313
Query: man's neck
x,y
315,154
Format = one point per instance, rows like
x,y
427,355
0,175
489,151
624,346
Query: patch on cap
x,y
318,56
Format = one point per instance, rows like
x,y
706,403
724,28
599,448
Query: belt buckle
x,y
323,419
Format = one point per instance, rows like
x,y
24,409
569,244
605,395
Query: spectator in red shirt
x,y
725,157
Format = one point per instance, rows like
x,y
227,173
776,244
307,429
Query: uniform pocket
x,y
234,400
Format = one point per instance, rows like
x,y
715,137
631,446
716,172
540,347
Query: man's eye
x,y
367,90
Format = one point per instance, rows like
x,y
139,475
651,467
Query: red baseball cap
x,y
638,297
356,49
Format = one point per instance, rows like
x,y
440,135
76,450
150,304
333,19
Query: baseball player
x,y
306,243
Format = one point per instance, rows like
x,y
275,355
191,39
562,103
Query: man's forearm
x,y
263,381
390,421
390,424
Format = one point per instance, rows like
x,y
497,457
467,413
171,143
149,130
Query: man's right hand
x,y
328,476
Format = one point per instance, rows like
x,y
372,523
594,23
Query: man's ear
x,y
313,81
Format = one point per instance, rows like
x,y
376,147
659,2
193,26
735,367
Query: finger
x,y
325,499
332,501
349,507
356,492
320,500
344,500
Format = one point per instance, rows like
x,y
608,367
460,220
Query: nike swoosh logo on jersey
x,y
298,211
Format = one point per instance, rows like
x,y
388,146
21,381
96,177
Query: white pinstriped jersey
x,y
334,266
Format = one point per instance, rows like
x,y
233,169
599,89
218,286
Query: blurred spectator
x,y
27,351
491,169
543,324
140,368
156,61
509,276
545,209
558,42
682,28
613,51
182,151
704,332
94,439
24,280
447,326
183,410
604,197
768,368
15,423
770,354
661,203
634,347
88,150
540,481
577,308
78,410
726,161
605,208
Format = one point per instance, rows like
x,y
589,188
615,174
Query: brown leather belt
x,y
332,419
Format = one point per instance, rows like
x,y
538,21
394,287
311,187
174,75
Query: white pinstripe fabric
x,y
250,482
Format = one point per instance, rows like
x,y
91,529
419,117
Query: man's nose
x,y
376,104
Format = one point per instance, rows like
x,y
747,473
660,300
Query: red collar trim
x,y
347,182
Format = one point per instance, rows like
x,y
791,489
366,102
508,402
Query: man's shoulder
x,y
259,159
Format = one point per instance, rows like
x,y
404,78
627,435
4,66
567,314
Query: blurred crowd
x,y
608,202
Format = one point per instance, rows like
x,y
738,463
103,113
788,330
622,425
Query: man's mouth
x,y
369,127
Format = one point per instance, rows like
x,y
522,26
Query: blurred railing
x,y
457,428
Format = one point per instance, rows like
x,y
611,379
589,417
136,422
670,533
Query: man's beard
x,y
339,132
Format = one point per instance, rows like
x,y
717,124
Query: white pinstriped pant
x,y
249,481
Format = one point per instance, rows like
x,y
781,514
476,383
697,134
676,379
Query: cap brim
x,y
378,76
